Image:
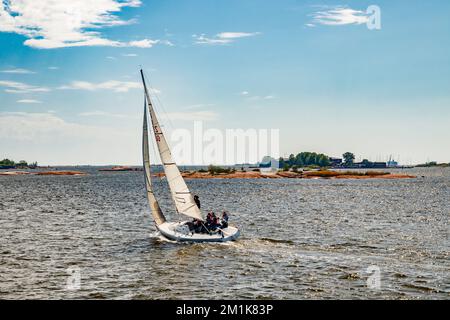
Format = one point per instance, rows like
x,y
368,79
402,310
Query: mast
x,y
157,214
181,195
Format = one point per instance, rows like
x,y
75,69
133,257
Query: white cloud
x,y
130,55
339,16
146,43
18,71
49,139
223,37
19,87
29,101
50,24
236,35
53,68
167,43
244,93
111,58
117,86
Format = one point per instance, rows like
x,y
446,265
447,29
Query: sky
x,y
70,90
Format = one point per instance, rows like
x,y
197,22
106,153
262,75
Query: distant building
x,y
269,164
379,165
370,165
392,164
335,162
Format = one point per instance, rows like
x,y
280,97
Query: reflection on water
x,y
300,239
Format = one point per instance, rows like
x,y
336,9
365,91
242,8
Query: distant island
x,y
315,174
121,169
304,165
217,172
315,160
10,164
23,165
433,164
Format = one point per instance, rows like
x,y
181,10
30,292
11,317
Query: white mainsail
x,y
184,201
157,214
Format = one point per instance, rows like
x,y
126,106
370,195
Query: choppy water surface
x,y
301,239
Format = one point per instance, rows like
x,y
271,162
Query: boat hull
x,y
177,231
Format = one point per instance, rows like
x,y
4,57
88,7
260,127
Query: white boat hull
x,y
178,231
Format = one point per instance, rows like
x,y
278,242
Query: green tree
x,y
299,160
349,158
22,163
7,163
281,162
323,160
291,160
33,165
366,163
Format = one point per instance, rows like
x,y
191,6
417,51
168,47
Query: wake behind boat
x,y
185,203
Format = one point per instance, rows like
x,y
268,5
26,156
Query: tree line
x,y
313,159
305,159
7,163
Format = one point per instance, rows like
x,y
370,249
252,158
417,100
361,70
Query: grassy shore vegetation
x,y
433,164
332,174
7,164
214,170
305,159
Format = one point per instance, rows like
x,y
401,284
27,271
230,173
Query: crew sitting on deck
x,y
224,220
195,226
212,223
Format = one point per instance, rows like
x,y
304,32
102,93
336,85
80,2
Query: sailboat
x,y
181,196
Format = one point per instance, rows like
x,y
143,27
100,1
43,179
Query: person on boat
x,y
215,222
218,224
209,219
224,222
198,226
197,201
191,226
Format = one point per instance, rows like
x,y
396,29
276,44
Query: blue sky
x,y
70,91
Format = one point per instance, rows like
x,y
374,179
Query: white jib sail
x,y
183,198
157,214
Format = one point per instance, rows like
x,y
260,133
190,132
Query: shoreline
x,y
195,175
43,173
293,175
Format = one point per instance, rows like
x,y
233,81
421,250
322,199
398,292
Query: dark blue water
x,y
92,237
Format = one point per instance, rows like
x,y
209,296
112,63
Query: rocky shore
x,y
297,175
43,173
121,169
324,174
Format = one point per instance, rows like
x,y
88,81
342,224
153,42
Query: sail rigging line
x,y
154,149
159,104
157,214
